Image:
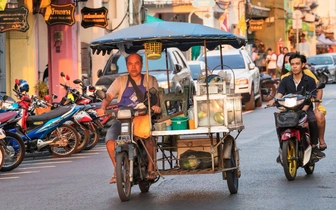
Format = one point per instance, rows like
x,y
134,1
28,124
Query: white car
x,y
246,74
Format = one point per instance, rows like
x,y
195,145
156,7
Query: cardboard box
x,y
201,144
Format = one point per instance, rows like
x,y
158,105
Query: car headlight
x,y
242,81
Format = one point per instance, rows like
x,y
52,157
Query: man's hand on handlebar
x,y
156,109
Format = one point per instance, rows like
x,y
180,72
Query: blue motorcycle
x,y
47,131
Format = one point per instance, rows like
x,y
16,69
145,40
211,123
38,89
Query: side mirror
x,y
67,77
54,96
92,88
251,66
101,94
177,68
77,81
113,67
62,74
320,86
99,73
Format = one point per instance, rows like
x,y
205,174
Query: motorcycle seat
x,y
4,117
49,115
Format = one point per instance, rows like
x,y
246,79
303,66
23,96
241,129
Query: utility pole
x,y
134,12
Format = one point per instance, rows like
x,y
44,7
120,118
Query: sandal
x,y
151,175
113,180
323,146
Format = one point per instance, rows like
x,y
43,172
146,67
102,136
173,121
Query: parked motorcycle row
x,y
32,125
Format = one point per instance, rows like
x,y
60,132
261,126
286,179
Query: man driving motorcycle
x,y
297,82
320,110
127,96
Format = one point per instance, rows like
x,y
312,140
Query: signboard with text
x,y
60,14
14,19
94,17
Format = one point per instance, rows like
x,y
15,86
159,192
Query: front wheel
x,y
289,159
15,151
94,136
123,179
65,140
144,186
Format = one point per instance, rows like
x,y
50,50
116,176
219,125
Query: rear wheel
x,y
94,136
84,135
258,102
289,161
14,151
250,105
65,141
231,176
271,92
123,180
324,79
144,186
309,168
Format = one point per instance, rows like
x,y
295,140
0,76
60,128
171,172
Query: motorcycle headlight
x,y
291,102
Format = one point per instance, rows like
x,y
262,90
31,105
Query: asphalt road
x,y
81,181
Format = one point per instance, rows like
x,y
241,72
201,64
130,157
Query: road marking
x,y
16,173
45,163
52,159
86,154
36,167
11,177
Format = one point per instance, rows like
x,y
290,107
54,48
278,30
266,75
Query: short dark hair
x,y
298,55
269,49
140,57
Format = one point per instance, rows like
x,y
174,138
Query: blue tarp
x,y
172,34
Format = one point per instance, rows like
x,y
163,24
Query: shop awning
x,y
258,12
152,19
323,40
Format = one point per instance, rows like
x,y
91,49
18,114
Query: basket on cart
x,y
153,50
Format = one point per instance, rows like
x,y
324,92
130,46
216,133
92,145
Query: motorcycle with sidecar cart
x,y
207,146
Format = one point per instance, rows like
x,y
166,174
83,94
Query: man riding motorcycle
x,y
127,96
297,82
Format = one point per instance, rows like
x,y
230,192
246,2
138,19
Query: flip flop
x,y
113,180
151,175
322,147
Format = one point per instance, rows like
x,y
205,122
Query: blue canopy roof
x,y
171,34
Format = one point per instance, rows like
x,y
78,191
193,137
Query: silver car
x,y
325,60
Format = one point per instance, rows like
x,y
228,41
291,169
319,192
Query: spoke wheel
x,y
123,180
231,176
289,159
14,151
65,144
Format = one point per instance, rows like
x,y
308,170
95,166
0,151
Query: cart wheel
x,y
231,176
123,181
144,186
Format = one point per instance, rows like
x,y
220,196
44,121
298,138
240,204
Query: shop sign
x,y
94,17
14,19
60,14
255,25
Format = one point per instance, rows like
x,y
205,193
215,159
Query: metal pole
x,y
189,21
130,6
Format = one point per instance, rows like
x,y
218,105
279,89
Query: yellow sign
x,y
3,5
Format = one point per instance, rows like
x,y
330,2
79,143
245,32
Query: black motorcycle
x,y
267,82
322,73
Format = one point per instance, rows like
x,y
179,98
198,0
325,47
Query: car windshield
x,y
232,61
320,60
159,64
195,70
